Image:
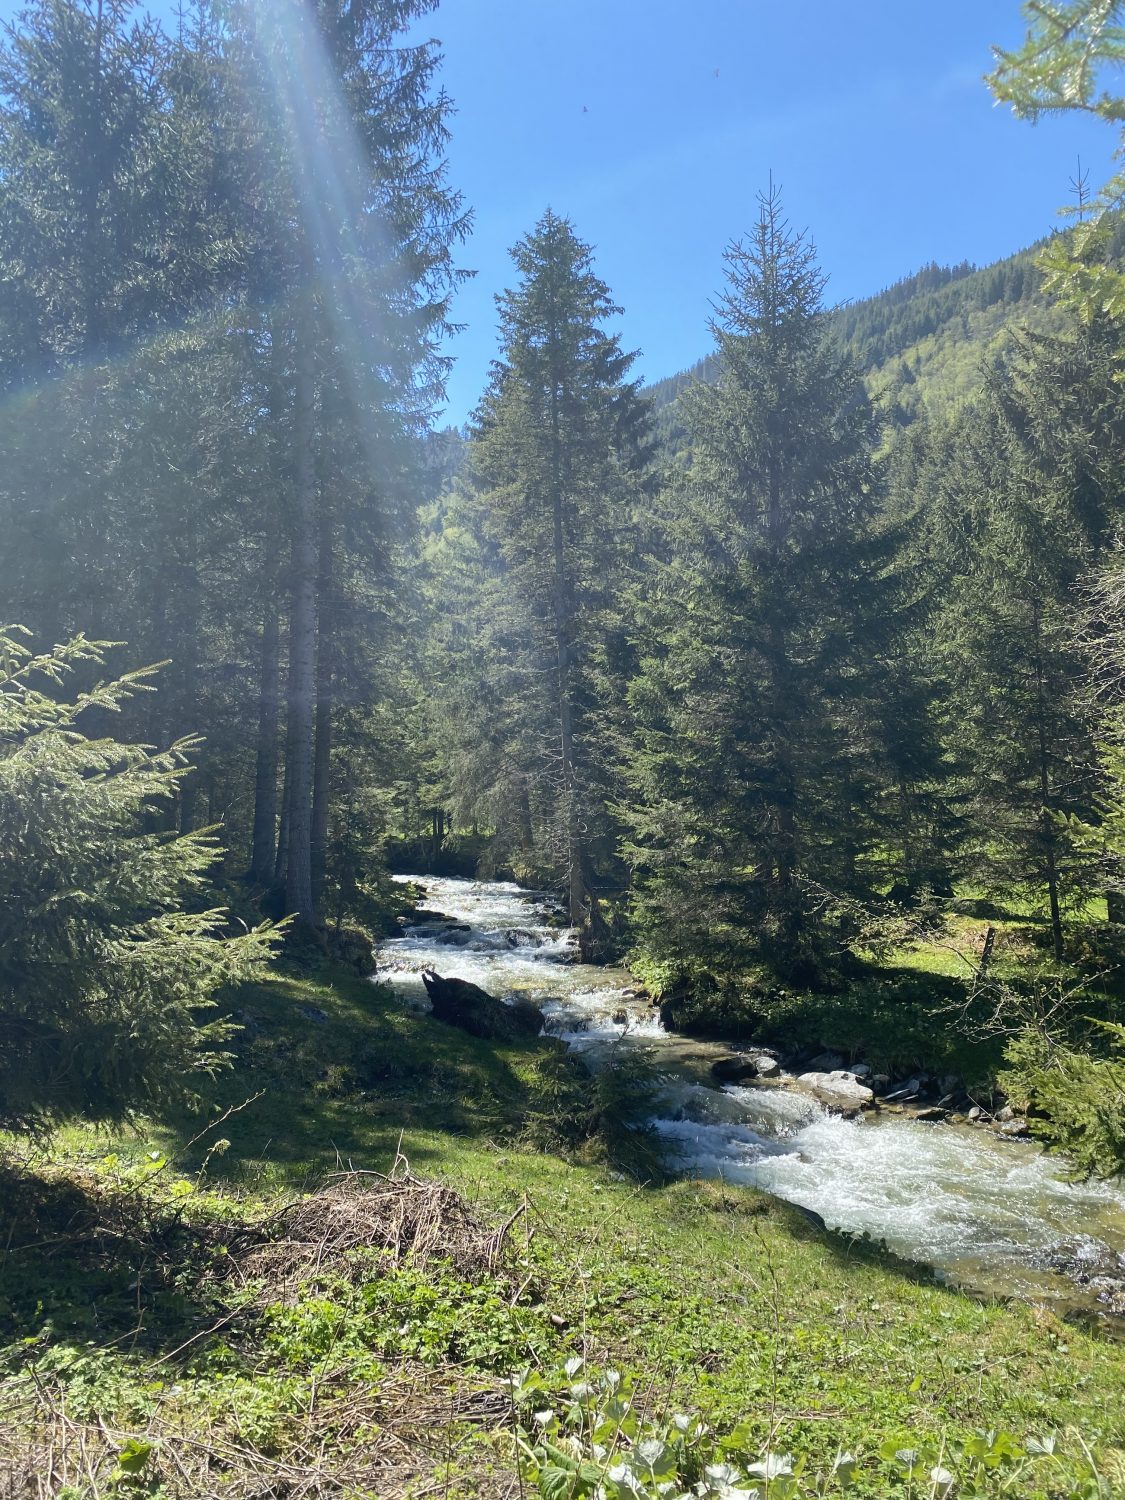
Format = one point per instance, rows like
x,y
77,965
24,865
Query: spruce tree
x,y
555,462
1022,499
761,762
110,955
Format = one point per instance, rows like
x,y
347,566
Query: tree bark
x,y
785,851
1050,863
579,897
282,861
264,840
302,637
322,756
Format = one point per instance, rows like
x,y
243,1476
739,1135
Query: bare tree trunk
x,y
527,831
579,898
282,860
264,841
322,756
302,637
1050,862
785,850
186,668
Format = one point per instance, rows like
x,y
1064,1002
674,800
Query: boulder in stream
x,y
838,1090
733,1069
458,1002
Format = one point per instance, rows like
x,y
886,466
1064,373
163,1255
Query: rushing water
x,y
994,1214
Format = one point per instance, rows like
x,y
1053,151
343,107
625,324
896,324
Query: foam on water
x,y
995,1213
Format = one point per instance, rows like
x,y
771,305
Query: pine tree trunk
x,y
1050,863
322,757
264,840
785,851
527,830
302,638
282,860
578,894
186,659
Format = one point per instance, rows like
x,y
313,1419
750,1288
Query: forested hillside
x,y
921,343
471,898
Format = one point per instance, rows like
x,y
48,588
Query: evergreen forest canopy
x,y
758,671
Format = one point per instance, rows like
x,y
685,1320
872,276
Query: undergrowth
x,y
260,1301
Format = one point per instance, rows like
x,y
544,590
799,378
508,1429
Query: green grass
x,y
721,1299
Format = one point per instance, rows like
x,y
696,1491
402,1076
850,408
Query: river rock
x,y
909,1090
837,1090
861,1070
457,1002
975,1114
1005,1114
1013,1127
931,1114
456,935
768,1067
826,1062
733,1069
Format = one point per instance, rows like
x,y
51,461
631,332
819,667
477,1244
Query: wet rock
x,y
1013,1128
975,1114
909,1090
620,1017
733,1069
1110,1292
521,937
767,1067
1094,1267
424,915
811,1214
932,1113
837,1090
459,1003
826,1062
455,937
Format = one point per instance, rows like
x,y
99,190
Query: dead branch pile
x,y
380,1438
404,1217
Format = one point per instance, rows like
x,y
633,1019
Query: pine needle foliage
x,y
108,966
762,760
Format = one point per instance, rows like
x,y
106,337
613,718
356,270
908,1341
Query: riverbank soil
x,y
220,1307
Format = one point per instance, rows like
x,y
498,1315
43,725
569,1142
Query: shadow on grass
x,y
93,1264
331,1069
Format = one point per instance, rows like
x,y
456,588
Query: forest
x,y
792,688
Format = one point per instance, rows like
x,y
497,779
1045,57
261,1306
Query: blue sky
x,y
652,123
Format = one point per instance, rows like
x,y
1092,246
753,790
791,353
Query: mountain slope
x,y
921,342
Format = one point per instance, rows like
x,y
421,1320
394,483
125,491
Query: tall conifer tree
x,y
558,448
761,756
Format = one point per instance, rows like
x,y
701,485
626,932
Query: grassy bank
x,y
173,1326
919,1003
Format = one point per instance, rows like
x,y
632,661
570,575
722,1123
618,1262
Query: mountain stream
x,y
992,1214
